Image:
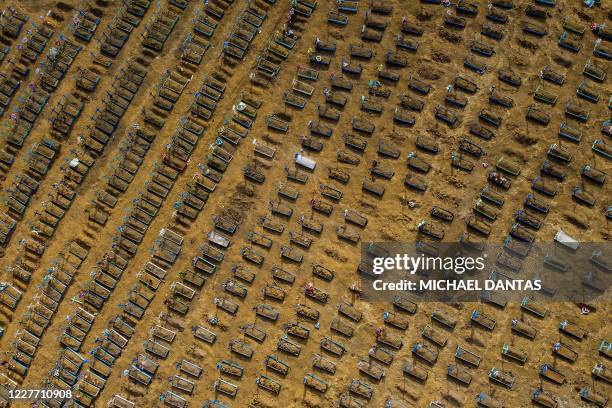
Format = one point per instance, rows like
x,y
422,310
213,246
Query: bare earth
x,y
391,217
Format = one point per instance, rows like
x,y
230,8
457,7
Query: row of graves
x,y
191,129
85,23
204,264
193,48
7,226
166,249
197,42
12,22
280,44
118,31
238,41
40,159
157,32
161,337
485,127
537,204
32,46
49,73
553,169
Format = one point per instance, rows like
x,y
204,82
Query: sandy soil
x,y
437,61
